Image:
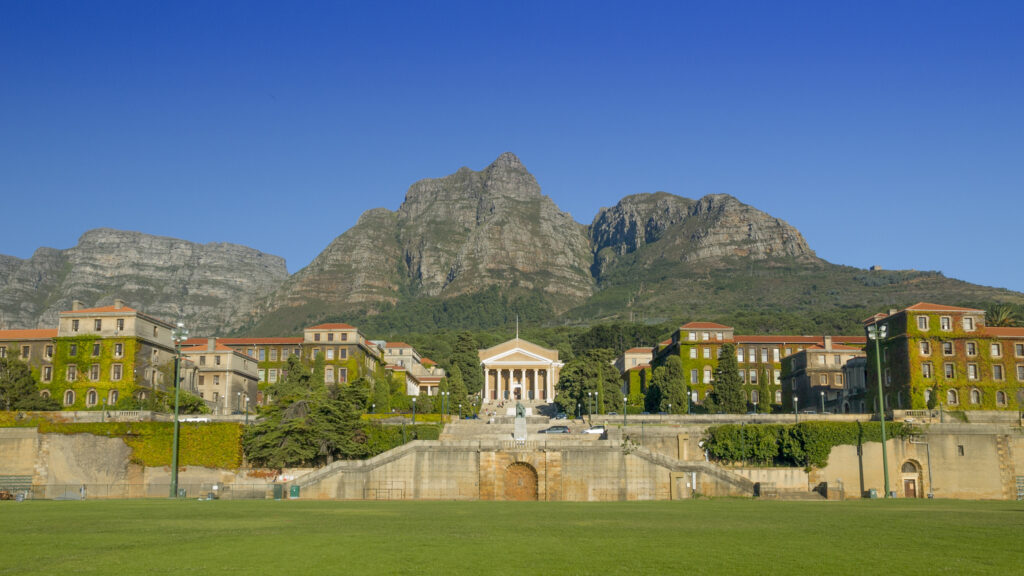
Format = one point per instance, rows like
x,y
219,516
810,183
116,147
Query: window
x,y
118,350
968,323
73,350
718,352
284,354
975,396
1018,349
739,355
997,372
888,377
742,376
1001,398
751,354
705,336
316,337
754,397
839,379
949,371
95,349
707,374
926,348
947,348
945,323
316,352
202,360
694,376
996,349
775,355
263,354
753,377
952,398
778,375
156,332
693,352
960,449
202,380
972,371
707,352
120,325
69,397
972,348
922,323
113,397
329,374
926,369
330,336
47,373
262,375
74,325
330,353
344,336
342,353
718,335
25,352
3,351
342,374
823,380
91,398
273,354
97,325
691,336
72,374
927,395
94,372
216,360
837,360
273,375
216,380
764,354
1020,372
216,396
788,351
115,372
48,351
778,396
885,354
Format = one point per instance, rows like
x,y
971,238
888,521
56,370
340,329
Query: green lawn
x,y
692,537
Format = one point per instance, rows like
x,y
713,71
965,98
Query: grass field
x,y
693,537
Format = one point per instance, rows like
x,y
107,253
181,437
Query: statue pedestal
x,y
519,430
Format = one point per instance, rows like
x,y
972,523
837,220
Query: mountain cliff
x,y
211,286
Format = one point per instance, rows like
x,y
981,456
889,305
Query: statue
x,y
520,410
519,431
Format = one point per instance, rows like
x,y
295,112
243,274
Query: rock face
x,y
454,235
212,287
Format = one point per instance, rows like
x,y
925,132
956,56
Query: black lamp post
x,y
178,335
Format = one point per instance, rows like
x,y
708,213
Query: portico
x,y
519,370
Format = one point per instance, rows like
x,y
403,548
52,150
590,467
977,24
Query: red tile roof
x,y
665,343
331,327
245,341
786,339
32,334
704,326
929,307
427,362
204,348
838,347
99,310
639,367
1003,331
643,350
396,345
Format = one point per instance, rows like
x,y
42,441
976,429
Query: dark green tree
x,y
764,392
590,372
465,355
18,389
727,394
673,387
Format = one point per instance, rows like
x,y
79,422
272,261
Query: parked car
x,y
555,430
560,416
599,429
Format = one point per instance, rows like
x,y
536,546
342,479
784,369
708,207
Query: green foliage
x,y
1002,315
308,422
590,372
727,395
18,389
803,444
764,392
465,356
668,388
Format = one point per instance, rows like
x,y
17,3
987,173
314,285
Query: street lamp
x,y
590,407
238,401
413,410
373,408
460,410
796,415
246,409
877,333
579,411
179,334
822,401
624,406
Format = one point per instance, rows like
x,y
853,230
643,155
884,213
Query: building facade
x,y
933,354
33,347
819,378
222,376
519,370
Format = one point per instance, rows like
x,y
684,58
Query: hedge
x,y
804,444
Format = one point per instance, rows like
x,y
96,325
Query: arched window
x,y
45,394
975,396
113,397
91,398
952,397
908,468
755,396
69,397
1001,398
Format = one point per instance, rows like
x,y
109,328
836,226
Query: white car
x,y
599,429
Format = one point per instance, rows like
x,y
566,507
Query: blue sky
x,y
889,133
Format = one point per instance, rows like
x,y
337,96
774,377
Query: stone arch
x,y
910,479
520,482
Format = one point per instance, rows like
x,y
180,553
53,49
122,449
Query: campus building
x,y
699,346
33,347
822,378
106,355
635,367
934,354
221,375
519,370
422,375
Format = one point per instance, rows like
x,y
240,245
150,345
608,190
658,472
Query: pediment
x,y
517,355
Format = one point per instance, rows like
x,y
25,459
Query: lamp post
x,y
413,410
179,335
579,411
238,402
624,406
246,409
796,414
822,401
877,333
460,410
590,407
373,408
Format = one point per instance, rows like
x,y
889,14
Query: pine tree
x,y
18,390
673,387
465,355
764,400
727,395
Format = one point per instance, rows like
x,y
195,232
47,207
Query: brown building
x,y
221,375
33,347
819,377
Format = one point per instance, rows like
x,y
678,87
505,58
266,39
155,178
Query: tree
x,y
764,391
1001,315
590,372
672,387
309,422
465,355
457,387
18,389
727,394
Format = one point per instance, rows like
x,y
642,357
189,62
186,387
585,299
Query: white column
x,y
486,396
548,384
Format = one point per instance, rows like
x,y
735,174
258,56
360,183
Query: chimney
x,y
211,344
118,303
77,305
828,342
893,311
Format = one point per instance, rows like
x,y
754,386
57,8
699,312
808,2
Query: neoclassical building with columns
x,y
519,370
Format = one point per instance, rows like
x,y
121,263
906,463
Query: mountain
x,y
212,287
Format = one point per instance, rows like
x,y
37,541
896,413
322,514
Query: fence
x,y
134,491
